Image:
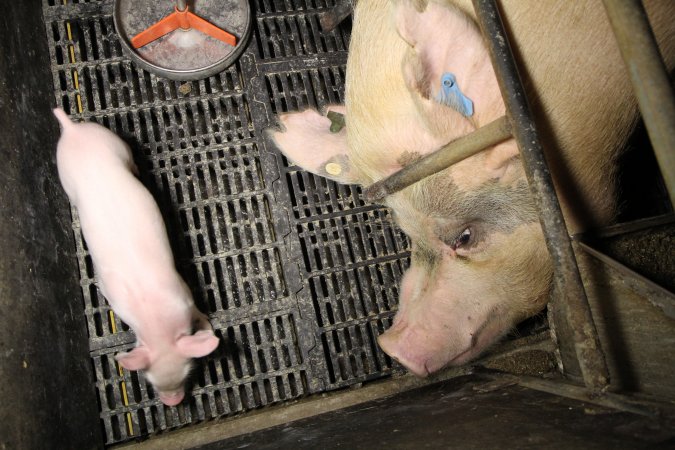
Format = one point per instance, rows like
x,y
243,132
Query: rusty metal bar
x,y
331,19
627,227
574,304
452,153
563,389
655,294
650,80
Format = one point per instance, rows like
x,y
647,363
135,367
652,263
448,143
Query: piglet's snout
x,y
171,399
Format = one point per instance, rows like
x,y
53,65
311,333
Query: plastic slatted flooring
x,y
297,274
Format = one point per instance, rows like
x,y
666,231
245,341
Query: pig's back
x,y
577,84
581,94
123,227
120,220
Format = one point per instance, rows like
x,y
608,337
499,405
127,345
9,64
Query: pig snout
x,y
451,310
171,398
424,348
438,323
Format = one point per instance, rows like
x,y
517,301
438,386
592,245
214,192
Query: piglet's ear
x,y
137,359
316,143
197,345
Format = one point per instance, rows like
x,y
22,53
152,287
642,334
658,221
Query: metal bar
x,y
563,389
650,81
181,5
331,19
452,153
626,227
574,304
655,294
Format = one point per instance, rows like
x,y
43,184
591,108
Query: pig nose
x,y
394,343
172,399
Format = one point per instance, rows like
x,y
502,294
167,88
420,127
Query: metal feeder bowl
x,y
195,41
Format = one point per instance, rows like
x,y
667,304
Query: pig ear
x,y
407,17
419,5
136,359
316,143
499,159
446,59
197,345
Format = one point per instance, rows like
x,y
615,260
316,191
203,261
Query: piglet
x,y
127,240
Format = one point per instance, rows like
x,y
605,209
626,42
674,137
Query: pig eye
x,y
464,239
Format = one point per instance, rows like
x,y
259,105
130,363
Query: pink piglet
x,y
127,240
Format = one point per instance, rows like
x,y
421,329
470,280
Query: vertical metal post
x,y
573,304
650,80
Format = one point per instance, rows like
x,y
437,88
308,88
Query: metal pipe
x,y
486,136
574,303
655,294
650,81
332,18
562,389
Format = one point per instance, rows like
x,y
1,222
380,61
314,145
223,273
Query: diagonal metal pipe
x,y
486,136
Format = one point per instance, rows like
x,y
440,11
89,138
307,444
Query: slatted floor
x,y
297,274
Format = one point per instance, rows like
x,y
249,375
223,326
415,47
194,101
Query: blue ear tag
x,y
451,96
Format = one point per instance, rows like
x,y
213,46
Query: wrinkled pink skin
x,y
458,298
127,240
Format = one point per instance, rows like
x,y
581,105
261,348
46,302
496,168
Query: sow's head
x,y
479,262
